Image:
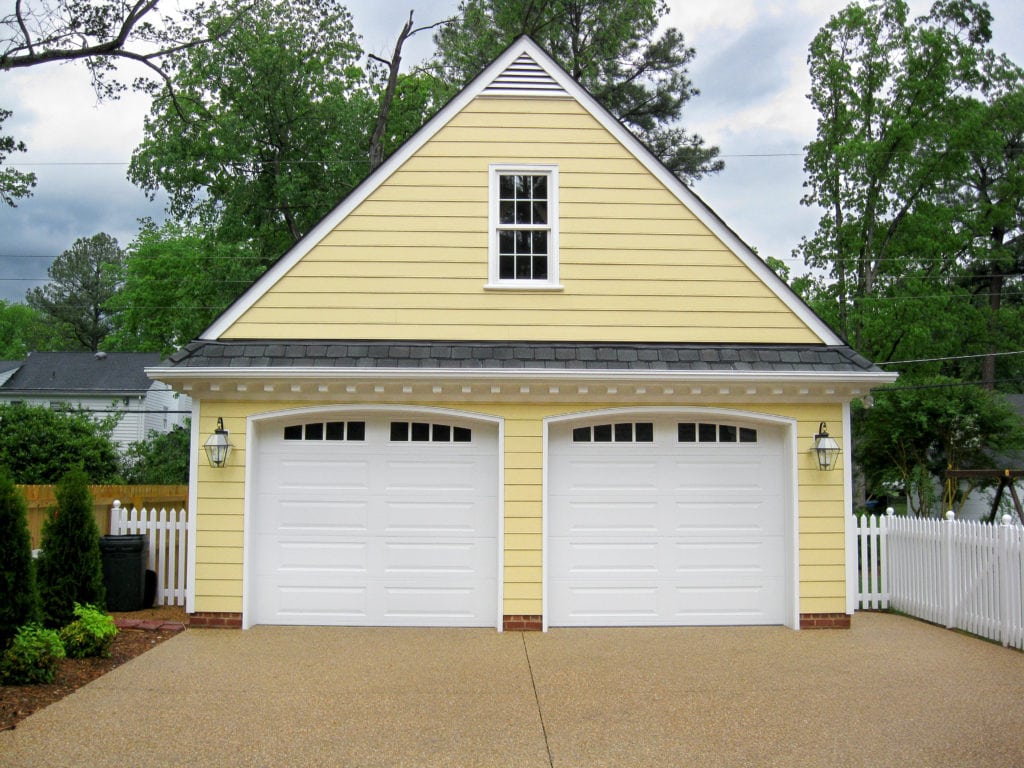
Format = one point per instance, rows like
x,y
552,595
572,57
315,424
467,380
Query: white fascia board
x,y
515,374
361,192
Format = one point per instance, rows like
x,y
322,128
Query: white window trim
x,y
493,281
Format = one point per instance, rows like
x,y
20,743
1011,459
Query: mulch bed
x,y
19,701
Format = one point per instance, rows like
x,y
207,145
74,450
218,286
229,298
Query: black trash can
x,y
124,570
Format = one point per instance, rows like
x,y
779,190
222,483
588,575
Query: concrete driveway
x,y
891,691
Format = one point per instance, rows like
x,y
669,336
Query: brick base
x,y
215,619
824,621
520,623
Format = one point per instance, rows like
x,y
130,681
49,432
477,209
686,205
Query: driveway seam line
x,y
536,698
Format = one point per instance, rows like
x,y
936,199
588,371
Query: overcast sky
x,y
750,68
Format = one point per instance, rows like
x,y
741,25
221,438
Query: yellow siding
x,y
411,261
820,499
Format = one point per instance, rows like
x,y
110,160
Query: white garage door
x,y
375,521
658,521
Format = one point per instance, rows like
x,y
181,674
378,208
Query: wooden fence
x,y
167,531
961,574
41,499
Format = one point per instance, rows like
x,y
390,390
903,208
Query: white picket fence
x,y
961,574
168,546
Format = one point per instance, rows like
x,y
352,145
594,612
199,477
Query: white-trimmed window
x,y
524,227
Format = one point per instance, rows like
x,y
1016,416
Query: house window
x,y
623,432
524,227
329,430
423,432
690,432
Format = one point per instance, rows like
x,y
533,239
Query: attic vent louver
x,y
524,77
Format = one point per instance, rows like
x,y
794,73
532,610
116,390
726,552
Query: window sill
x,y
524,287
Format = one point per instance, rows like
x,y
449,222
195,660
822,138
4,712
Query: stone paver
x,y
891,691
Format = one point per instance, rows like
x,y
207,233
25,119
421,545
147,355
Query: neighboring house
x,y
103,383
7,369
521,377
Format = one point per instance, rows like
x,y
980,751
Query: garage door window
x,y
623,432
424,432
354,431
703,432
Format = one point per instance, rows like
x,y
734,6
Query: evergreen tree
x,y
19,601
70,569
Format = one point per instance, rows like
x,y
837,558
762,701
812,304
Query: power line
x,y
954,357
947,385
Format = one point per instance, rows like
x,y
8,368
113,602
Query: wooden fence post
x,y
115,518
1005,560
949,584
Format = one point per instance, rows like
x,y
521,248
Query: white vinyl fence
x,y
168,546
961,574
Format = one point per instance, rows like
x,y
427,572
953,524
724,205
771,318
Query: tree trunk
x,y
377,140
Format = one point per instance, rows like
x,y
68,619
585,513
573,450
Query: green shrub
x,y
33,656
19,600
70,569
91,634
39,445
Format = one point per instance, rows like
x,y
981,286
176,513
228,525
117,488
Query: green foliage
x,y
162,459
917,167
19,601
617,51
176,280
24,329
13,184
92,633
39,445
267,130
70,568
82,280
919,428
32,657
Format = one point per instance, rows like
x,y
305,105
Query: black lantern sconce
x,y
826,449
218,446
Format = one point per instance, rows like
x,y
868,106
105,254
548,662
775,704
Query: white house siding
x,y
140,413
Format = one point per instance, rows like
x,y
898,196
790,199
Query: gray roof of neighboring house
x,y
82,372
511,355
10,365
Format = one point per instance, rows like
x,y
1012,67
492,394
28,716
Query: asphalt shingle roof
x,y
83,372
512,355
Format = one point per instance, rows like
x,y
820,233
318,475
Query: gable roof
x,y
82,373
524,70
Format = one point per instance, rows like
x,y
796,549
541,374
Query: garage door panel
x,y
285,516
303,557
375,532
452,476
415,604
701,519
298,605
697,474
427,559
610,604
597,558
726,605
601,517
626,474
309,477
431,517
667,532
